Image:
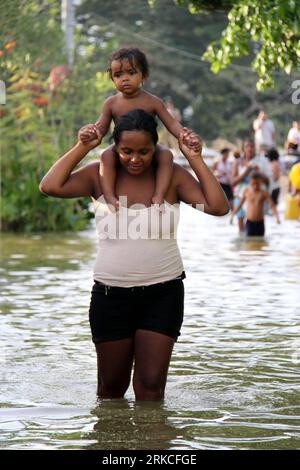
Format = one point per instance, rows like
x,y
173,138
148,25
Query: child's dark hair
x,y
255,175
136,120
135,57
273,155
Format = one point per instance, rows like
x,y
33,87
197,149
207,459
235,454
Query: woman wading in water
x,y
136,308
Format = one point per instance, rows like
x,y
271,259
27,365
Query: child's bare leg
x,y
107,173
163,175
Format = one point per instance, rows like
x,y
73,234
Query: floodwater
x,y
234,379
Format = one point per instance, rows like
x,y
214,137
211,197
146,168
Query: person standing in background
x,y
241,169
222,170
264,132
273,157
255,197
293,139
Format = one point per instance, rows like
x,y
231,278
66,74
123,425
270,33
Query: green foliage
x,y
40,122
269,29
223,105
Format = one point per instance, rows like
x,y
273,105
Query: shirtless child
x,y
255,197
128,69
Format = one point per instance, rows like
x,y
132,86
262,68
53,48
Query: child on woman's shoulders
x,y
128,69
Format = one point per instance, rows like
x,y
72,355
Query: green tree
x,y
223,105
46,105
268,29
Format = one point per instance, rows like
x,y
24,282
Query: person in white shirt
x,y
293,139
222,170
264,132
274,165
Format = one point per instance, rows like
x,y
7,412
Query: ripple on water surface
x,y
234,375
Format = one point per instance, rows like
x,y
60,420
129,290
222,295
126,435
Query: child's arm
x,y
237,178
163,175
273,207
173,126
103,122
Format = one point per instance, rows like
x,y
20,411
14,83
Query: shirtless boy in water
x,y
255,197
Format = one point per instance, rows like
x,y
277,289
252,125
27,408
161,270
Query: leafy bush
x,y
45,106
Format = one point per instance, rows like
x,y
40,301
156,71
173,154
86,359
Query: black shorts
x,y
117,312
227,190
255,229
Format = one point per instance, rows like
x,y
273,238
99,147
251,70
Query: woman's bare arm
x,y
62,181
206,190
104,121
235,177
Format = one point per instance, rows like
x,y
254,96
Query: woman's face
x,y
136,150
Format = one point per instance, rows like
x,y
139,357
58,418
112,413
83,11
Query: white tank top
x,y
224,167
136,246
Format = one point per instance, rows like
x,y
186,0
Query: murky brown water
x,y
234,380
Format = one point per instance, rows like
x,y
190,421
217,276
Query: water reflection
x,y
256,244
131,425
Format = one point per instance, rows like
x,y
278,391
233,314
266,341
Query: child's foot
x,y
158,200
112,200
